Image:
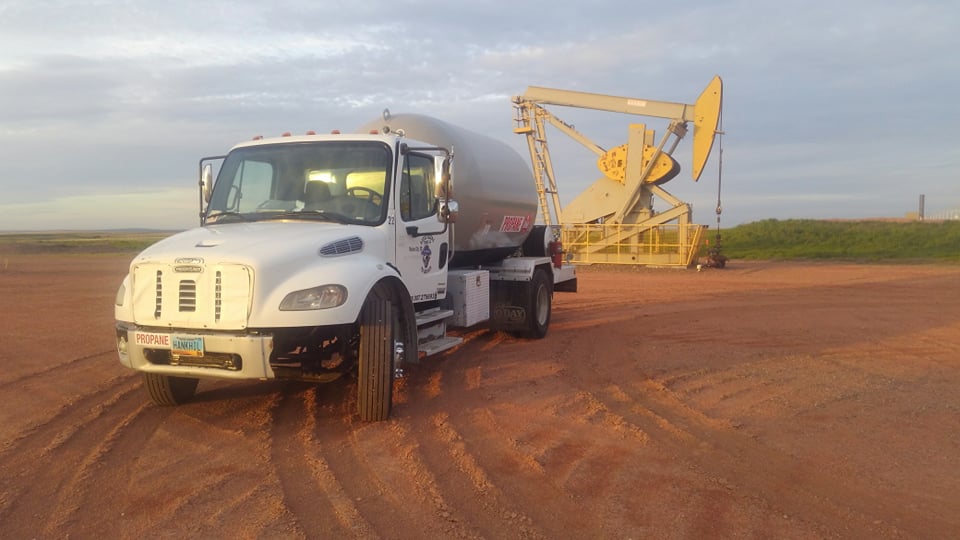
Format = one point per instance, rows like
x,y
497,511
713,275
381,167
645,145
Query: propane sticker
x,y
146,339
514,224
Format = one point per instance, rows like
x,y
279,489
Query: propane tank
x,y
491,182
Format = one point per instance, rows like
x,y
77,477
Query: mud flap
x,y
522,307
508,305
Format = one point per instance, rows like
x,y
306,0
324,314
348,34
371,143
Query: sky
x,y
830,109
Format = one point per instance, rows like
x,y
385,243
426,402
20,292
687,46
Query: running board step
x,y
432,315
435,346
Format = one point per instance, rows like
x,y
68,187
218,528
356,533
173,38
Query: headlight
x,y
120,294
322,297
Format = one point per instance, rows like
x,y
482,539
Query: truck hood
x,y
234,276
258,243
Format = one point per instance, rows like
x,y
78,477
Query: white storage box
x,y
468,295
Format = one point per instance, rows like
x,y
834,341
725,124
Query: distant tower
x,y
920,211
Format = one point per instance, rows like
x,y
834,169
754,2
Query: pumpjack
x,y
613,220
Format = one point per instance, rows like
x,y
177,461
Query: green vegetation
x,y
78,242
868,241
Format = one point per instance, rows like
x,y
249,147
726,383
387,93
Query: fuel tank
x,y
491,182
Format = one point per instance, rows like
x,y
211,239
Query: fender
x,y
357,273
400,296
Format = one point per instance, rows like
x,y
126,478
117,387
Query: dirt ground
x,y
766,400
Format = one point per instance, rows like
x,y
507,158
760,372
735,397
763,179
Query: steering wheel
x,y
372,196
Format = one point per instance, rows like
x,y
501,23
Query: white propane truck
x,y
323,255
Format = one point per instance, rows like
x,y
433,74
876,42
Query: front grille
x,y
218,297
188,296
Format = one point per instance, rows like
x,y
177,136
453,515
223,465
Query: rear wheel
x,y
375,377
167,390
539,303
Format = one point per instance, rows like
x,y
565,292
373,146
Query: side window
x,y
417,199
253,185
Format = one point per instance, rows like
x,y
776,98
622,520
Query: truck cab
x,y
375,185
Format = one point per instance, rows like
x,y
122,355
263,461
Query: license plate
x,y
186,346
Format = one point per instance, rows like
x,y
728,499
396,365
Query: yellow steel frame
x,y
670,244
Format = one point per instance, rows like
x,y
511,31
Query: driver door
x,y
422,243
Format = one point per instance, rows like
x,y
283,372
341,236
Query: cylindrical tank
x,y
491,182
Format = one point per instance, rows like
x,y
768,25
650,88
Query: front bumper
x,y
223,355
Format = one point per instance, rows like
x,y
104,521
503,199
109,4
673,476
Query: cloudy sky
x,y
831,109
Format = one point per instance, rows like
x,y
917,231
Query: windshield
x,y
341,181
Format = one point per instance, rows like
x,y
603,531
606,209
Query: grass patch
x,y
78,242
769,239
868,241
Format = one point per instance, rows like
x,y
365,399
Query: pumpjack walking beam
x,y
704,113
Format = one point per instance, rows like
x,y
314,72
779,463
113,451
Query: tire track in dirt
x,y
340,477
96,452
47,467
67,505
481,499
203,464
507,468
311,492
497,478
54,368
739,462
593,379
744,389
44,395
230,490
381,469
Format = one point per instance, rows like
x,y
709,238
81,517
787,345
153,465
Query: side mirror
x,y
443,188
206,182
449,211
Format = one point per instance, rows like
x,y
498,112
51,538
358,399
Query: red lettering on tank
x,y
512,224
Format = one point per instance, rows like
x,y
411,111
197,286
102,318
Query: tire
x,y
375,365
539,304
167,390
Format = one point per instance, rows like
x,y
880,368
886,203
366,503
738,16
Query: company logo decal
x,y
426,254
509,314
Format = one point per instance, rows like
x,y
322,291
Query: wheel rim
x,y
543,306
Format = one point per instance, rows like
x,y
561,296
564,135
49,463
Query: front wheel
x,y
539,303
167,390
375,370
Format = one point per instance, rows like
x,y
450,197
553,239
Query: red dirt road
x,y
764,400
